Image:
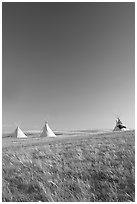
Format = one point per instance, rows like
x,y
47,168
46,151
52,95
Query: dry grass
x,y
85,168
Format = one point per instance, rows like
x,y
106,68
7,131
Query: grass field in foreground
x,y
89,168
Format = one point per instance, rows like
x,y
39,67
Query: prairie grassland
x,y
87,168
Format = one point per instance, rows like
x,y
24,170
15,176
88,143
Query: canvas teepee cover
x,y
47,132
119,126
19,133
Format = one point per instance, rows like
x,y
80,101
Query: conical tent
x,y
19,133
47,132
119,126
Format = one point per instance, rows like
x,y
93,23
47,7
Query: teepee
x,y
47,132
119,125
19,133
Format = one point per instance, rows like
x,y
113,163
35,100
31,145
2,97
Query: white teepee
x,y
19,133
47,132
119,126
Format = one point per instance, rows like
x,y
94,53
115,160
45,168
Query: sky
x,y
71,64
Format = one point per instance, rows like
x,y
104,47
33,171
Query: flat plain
x,y
73,167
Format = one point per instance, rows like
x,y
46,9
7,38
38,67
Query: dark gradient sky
x,y
72,64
